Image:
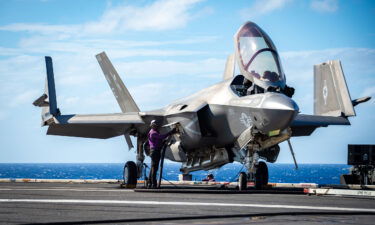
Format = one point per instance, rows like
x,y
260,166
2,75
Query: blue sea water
x,y
280,173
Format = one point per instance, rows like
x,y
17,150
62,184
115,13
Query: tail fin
x,y
229,67
331,95
123,97
48,100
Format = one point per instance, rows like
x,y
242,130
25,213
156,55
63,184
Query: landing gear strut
x,y
257,171
261,175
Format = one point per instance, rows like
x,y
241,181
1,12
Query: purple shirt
x,y
155,139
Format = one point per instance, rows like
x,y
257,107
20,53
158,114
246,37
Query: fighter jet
x,y
243,118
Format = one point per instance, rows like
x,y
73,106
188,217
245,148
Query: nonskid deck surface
x,y
110,204
219,189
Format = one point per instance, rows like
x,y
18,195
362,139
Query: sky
x,y
165,50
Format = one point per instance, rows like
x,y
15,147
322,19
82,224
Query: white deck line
x,y
66,189
79,181
206,204
348,192
196,183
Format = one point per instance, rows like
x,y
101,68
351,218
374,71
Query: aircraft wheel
x,y
261,175
242,181
130,174
146,183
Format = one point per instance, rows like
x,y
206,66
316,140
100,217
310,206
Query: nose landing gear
x,y
256,171
259,177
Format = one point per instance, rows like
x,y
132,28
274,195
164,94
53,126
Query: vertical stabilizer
x,y
123,97
48,100
331,95
229,67
51,91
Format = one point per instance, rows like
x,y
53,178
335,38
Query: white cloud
x,y
75,79
73,53
72,100
25,97
299,64
261,7
324,5
118,48
80,84
150,94
87,101
159,15
41,28
165,68
356,63
9,51
370,91
105,43
16,75
150,82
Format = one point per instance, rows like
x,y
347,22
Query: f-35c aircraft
x,y
243,118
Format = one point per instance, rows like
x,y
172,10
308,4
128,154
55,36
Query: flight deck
x,y
105,202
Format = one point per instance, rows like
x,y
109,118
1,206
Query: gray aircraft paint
x,y
123,97
216,123
331,95
229,67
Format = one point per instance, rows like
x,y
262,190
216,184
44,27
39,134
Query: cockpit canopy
x,y
257,57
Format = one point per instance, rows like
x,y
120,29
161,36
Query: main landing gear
x,y
130,174
132,170
242,181
261,175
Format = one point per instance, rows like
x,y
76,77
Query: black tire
x,y
242,181
130,174
261,175
145,183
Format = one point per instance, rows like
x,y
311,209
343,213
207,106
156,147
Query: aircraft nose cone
x,y
278,111
279,102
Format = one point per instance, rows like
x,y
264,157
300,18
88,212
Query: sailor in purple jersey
x,y
156,141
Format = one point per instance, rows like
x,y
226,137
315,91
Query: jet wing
x,y
304,125
95,125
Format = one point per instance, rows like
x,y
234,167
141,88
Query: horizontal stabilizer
x,y
360,100
304,125
41,101
319,121
123,97
95,125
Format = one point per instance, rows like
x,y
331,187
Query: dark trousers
x,y
155,159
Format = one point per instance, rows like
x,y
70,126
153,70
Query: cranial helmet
x,y
153,123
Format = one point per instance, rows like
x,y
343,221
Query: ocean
x,y
279,173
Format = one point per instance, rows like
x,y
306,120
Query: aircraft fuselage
x,y
215,118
